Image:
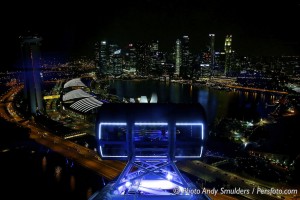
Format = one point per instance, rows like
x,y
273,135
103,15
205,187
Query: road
x,y
80,154
111,169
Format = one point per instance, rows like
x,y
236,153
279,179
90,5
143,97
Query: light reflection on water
x,y
36,172
246,105
57,173
44,164
72,183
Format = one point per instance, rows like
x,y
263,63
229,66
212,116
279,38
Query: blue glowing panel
x,y
189,140
112,140
150,139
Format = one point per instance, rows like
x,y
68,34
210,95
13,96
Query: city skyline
x,y
258,28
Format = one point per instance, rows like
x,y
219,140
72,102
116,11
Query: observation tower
x,y
151,137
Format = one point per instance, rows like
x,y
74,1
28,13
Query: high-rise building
x,y
182,57
117,62
228,52
130,58
153,54
30,51
143,59
185,67
103,59
97,57
212,51
178,57
114,59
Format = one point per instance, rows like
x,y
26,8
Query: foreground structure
x,y
146,135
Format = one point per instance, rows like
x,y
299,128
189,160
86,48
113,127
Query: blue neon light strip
x,y
151,156
150,123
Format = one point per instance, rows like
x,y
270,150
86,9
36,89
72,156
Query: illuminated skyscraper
x,y
97,57
103,59
30,50
130,56
143,58
212,51
178,57
153,53
182,57
117,62
228,51
186,64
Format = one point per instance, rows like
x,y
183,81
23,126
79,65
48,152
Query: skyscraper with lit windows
x,y
228,52
178,57
186,64
30,52
212,51
97,57
103,59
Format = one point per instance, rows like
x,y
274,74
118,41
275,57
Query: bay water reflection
x,y
34,172
217,103
31,171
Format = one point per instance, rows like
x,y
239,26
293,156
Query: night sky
x,y
258,27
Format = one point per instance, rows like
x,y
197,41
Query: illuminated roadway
x,y
111,169
80,154
256,89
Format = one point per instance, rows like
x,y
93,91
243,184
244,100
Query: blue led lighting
x,y
150,123
151,156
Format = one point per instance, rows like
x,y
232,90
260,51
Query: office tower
x,y
153,54
114,65
97,58
143,59
117,62
154,46
30,51
178,57
130,58
186,63
228,52
103,59
212,51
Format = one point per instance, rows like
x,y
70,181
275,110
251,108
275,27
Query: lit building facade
x,y
186,62
212,51
130,58
30,50
97,57
178,57
228,54
103,59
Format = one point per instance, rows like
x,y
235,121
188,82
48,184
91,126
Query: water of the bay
x,y
31,171
35,172
217,103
